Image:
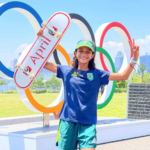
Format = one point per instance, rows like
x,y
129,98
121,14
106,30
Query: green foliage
x,y
134,78
119,90
48,91
55,91
121,84
38,83
146,78
10,92
53,83
141,71
2,82
33,85
139,76
38,91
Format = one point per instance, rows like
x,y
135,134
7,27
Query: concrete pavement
x,y
142,143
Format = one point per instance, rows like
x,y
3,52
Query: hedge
x,y
119,90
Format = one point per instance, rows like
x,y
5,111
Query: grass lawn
x,y
11,105
116,107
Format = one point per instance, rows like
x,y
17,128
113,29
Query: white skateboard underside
x,y
41,50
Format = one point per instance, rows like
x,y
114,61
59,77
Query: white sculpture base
x,y
32,136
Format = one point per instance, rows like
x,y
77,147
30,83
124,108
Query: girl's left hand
x,y
135,49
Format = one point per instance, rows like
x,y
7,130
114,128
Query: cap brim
x,y
86,46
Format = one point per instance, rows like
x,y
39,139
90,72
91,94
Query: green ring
x,y
103,51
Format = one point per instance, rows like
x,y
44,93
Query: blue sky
x,y
16,31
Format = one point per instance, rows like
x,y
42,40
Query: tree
x,y
146,77
134,78
140,75
34,85
141,71
121,84
53,83
2,82
38,83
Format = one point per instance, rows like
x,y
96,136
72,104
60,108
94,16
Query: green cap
x,y
86,43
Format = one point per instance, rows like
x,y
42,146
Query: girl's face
x,y
84,54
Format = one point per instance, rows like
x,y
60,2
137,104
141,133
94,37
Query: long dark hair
x,y
74,61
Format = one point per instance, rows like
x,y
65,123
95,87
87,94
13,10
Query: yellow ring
x,y
35,103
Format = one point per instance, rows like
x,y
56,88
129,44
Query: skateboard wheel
x,y
17,65
58,35
44,24
50,32
32,76
26,69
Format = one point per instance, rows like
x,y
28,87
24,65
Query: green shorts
x,y
72,134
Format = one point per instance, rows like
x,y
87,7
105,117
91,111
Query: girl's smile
x,y
84,54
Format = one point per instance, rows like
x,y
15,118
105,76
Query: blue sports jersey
x,y
81,93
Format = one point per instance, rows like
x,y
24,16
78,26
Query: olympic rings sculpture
x,y
60,56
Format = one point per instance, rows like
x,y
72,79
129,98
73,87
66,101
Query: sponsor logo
x,y
74,74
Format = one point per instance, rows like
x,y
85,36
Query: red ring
x,y
111,25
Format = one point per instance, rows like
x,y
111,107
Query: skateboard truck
x,y
26,70
52,31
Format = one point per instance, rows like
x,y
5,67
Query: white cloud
x,y
21,48
144,45
114,47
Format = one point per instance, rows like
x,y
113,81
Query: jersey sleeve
x,y
104,77
61,70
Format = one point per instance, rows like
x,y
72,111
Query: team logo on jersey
x,y
90,76
74,74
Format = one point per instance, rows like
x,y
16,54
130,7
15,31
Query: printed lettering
x,y
44,42
42,46
46,38
39,54
34,59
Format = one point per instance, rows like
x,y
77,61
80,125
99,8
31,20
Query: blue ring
x,y
10,5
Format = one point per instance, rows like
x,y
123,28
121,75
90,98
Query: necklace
x,y
81,75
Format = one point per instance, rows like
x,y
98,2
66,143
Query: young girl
x,y
82,81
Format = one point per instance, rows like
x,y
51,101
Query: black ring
x,y
84,27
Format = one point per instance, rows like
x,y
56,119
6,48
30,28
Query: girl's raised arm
x,y
126,73
51,67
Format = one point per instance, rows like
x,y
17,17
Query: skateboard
x,y
34,60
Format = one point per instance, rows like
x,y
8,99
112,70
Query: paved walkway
x,y
142,143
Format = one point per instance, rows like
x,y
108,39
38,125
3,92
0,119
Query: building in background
x,y
13,63
118,60
20,54
145,59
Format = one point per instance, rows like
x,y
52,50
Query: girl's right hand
x,y
40,33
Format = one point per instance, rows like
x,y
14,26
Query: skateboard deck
x,y
32,62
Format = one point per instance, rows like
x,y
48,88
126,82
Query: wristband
x,y
132,66
133,61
